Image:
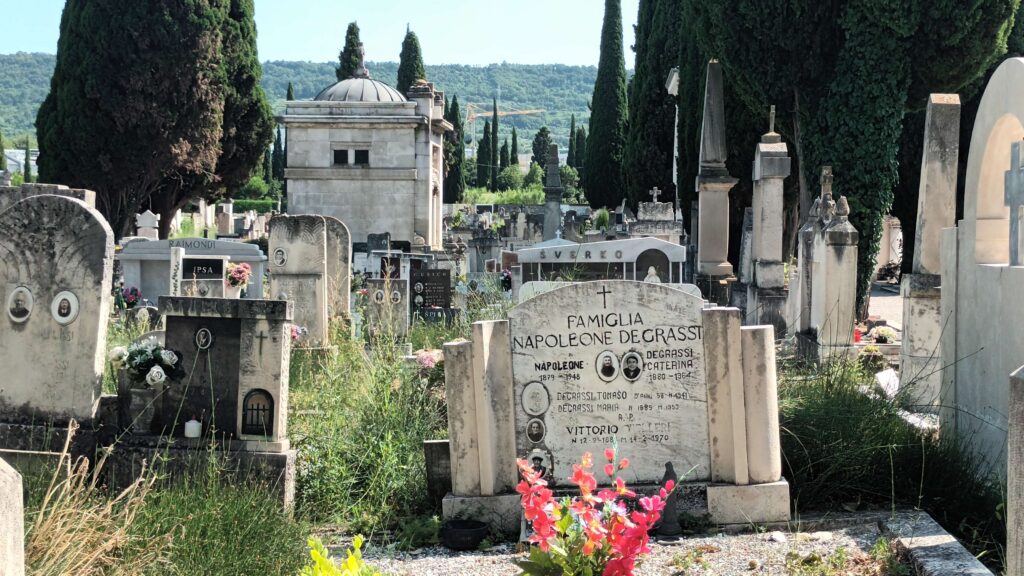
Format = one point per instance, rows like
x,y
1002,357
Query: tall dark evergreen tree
x,y
571,158
581,146
541,143
123,102
28,161
410,63
447,108
268,169
291,92
3,159
495,164
608,115
349,57
513,157
650,139
483,158
277,158
455,177
503,156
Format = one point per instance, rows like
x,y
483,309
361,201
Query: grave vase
x,y
232,291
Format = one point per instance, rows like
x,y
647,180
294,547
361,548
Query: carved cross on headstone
x,y
1013,196
655,193
261,337
604,296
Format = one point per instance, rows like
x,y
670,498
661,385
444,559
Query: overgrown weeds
x,y
844,449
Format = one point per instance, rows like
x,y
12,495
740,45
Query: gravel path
x,y
720,555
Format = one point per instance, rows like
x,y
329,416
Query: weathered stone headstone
x,y
552,196
339,268
56,257
713,184
431,288
235,355
378,241
12,522
9,196
388,307
1015,475
298,271
601,362
147,225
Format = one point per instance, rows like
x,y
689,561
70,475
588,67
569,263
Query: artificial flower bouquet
x,y
237,275
595,533
131,296
147,363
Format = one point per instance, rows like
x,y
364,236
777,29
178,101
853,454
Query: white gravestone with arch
x,y
298,272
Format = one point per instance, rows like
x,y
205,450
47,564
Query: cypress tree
x,y
268,169
650,139
291,92
410,63
3,159
495,165
513,157
581,146
349,57
277,158
28,162
541,143
483,158
503,156
455,177
571,158
608,116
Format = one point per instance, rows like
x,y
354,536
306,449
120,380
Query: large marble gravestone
x,y
339,268
609,362
56,256
298,271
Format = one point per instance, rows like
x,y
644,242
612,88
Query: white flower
x,y
168,358
117,356
155,376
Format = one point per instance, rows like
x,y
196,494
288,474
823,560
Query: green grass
x,y
842,449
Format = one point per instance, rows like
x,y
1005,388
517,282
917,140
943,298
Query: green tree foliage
x,y
514,153
290,93
483,158
862,65
349,57
604,153
410,63
455,156
277,158
581,146
248,124
510,178
535,176
571,158
495,152
650,139
3,159
503,156
28,161
136,94
268,169
541,143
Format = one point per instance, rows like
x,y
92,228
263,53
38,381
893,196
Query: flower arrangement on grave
x,y
298,332
882,334
131,296
594,533
237,275
147,363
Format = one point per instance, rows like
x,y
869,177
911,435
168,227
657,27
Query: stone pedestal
x,y
753,504
921,355
12,522
1015,476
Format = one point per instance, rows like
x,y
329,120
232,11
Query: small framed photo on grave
x,y
535,430
64,307
19,304
540,461
607,366
632,366
536,399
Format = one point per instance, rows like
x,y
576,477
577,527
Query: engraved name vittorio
x,y
605,329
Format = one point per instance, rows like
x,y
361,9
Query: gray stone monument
x,y
339,268
552,195
12,522
298,272
56,257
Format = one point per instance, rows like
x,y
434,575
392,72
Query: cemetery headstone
x,y
9,196
339,268
604,362
298,272
388,307
203,276
431,288
235,355
12,522
147,225
378,242
147,265
56,257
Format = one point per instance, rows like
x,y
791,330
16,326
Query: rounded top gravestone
x,y
611,362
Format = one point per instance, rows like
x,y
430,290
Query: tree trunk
x,y
806,198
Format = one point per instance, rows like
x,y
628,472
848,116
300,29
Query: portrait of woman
x,y
19,304
632,366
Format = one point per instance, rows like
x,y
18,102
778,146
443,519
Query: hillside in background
x,y
557,89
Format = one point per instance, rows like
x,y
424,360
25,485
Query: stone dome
x,y
360,89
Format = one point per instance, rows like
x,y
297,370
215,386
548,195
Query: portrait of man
x,y
535,399
632,366
418,287
280,257
535,430
396,297
540,462
607,366
19,304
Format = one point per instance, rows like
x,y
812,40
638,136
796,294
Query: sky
x,y
450,31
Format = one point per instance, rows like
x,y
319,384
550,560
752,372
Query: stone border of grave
x,y
930,550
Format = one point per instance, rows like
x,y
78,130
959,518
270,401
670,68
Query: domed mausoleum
x,y
368,155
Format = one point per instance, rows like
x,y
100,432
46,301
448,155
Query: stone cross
x,y
655,193
771,119
1014,198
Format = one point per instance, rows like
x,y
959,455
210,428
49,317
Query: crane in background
x,y
473,111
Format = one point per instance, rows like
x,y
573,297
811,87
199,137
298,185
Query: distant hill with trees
x,y
558,89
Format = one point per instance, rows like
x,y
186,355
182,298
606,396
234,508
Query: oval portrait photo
x,y
64,308
540,461
535,399
19,304
378,296
632,366
535,430
607,366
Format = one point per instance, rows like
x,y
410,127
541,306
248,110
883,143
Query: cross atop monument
x,y
771,119
361,71
655,193
1013,196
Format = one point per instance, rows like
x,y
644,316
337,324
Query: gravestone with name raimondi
x,y
609,362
